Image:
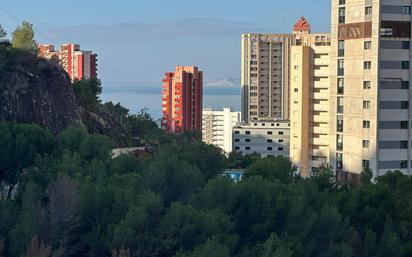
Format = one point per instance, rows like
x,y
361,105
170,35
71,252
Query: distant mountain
x,y
226,82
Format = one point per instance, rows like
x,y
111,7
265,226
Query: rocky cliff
x,y
34,91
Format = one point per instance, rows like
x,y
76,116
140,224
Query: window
x,y
296,67
247,132
365,164
366,124
367,85
280,133
365,143
341,12
340,105
367,65
404,124
280,141
404,105
237,140
342,2
247,148
341,68
368,10
296,90
406,45
339,160
270,133
237,148
280,148
270,148
247,140
339,124
339,142
366,104
386,32
270,140
341,85
404,144
403,164
405,85
237,132
405,65
406,10
367,45
341,48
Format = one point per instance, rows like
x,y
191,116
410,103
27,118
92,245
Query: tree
x,y
324,176
3,33
134,231
212,248
366,176
20,145
88,91
141,125
272,168
23,37
119,112
59,222
274,247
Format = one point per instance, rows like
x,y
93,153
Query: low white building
x,y
265,138
217,127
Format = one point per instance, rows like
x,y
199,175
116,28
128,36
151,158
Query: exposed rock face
x,y
34,91
99,121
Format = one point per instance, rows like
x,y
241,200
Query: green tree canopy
x,y
23,37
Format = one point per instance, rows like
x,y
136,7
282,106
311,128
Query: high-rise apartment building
x,y
48,52
309,103
370,86
77,63
182,99
266,72
217,128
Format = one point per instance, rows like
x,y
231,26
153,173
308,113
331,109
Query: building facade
x,y
309,103
79,64
265,75
182,100
370,86
264,138
217,128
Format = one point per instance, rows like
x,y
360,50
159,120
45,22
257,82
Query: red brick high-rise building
x,y
77,63
182,100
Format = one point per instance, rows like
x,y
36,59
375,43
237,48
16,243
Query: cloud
x,y
137,32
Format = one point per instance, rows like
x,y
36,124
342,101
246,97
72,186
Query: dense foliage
x,y
23,37
65,196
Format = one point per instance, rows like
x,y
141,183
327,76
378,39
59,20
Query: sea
x,y
137,99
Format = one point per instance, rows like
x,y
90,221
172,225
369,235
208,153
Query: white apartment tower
x,y
217,128
370,111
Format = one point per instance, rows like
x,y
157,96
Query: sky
x,y
137,41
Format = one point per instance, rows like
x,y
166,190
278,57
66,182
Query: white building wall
x,y
217,127
264,138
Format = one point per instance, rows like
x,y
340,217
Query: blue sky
x,y
138,40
